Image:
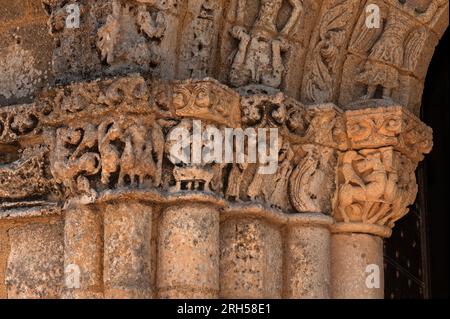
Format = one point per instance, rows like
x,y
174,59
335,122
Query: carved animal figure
x,y
193,176
137,161
69,167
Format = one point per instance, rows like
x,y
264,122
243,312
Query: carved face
x,y
179,100
203,100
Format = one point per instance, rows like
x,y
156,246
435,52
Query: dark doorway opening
x,y
417,254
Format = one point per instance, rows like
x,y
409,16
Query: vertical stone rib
x,y
188,252
353,258
127,257
83,251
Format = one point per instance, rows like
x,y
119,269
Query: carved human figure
x,y
259,55
235,180
108,132
137,161
280,197
387,55
365,181
121,38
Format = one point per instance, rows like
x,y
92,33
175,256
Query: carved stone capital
x,y
391,125
109,139
374,189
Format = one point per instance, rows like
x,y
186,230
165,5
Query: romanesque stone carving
x,y
375,186
394,49
126,146
131,33
200,40
130,149
259,55
312,182
20,121
394,126
26,177
207,100
320,81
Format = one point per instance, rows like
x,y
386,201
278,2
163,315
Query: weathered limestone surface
x,y
93,205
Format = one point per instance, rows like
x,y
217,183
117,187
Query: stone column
x,y
374,189
307,256
83,252
188,251
127,256
251,258
357,266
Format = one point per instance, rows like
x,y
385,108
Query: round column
x,y
357,266
251,258
307,257
127,255
83,252
188,251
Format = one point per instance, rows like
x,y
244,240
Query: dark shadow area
x,y
417,254
435,113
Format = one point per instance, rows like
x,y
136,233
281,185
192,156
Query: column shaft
x,y
127,260
251,259
357,266
188,252
83,252
307,262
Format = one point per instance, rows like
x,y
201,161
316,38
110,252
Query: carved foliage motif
x,y
206,99
320,81
312,182
393,126
20,121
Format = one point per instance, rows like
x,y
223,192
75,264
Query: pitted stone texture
x,y
83,248
307,262
188,252
35,263
351,254
127,254
250,259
